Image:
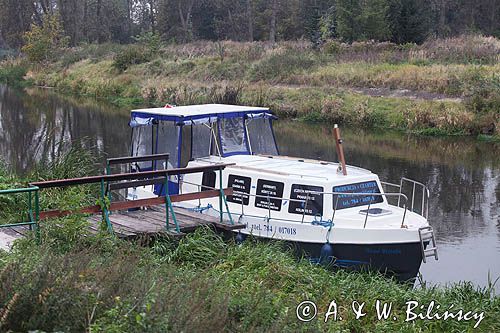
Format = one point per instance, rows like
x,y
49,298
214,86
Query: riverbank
x,y
98,283
443,87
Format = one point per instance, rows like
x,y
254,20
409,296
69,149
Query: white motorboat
x,y
333,213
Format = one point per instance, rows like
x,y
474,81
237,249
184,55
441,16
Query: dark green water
x,y
463,175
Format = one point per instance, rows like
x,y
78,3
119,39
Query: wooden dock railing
x,y
134,179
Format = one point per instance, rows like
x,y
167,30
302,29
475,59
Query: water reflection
x,y
463,175
33,124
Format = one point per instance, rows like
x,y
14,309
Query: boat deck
x,y
137,223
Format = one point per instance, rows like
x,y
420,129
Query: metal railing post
x,y
166,204
30,209
108,172
305,207
268,206
37,216
220,196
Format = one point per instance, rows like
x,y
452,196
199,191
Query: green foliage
x,y
133,55
361,20
41,42
203,282
150,40
12,74
348,19
280,65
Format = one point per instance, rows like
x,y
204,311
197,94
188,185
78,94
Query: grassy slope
x,y
297,81
97,283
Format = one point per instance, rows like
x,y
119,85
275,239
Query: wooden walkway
x,y
151,221
134,224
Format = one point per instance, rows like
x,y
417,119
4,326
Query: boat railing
x,y
418,189
310,197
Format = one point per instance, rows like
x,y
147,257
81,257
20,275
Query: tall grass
x,y
75,162
204,283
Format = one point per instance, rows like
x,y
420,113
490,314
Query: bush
x,y
150,40
133,55
280,65
12,74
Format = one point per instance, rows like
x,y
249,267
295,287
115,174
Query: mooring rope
x,y
324,223
199,209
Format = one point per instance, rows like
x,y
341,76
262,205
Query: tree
x,y
42,41
15,19
374,20
348,19
250,20
273,24
408,21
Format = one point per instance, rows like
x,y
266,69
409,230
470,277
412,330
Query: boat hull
x,y
401,261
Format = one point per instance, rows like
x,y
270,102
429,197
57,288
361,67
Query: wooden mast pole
x,y
340,150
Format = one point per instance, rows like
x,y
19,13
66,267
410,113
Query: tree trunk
x,y
151,15
99,23
84,25
250,20
129,18
274,11
442,18
186,21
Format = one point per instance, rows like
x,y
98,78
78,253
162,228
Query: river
x,y
462,174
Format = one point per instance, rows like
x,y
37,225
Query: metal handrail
x,y
425,196
268,197
33,215
335,207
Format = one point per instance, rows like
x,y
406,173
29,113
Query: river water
x,y
462,174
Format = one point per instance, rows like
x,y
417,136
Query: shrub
x,y
280,65
133,55
150,40
12,74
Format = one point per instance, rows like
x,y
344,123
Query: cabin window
x,y
167,141
261,137
342,201
239,184
269,194
142,144
208,181
232,136
200,140
306,199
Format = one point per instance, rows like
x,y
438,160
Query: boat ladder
x,y
426,235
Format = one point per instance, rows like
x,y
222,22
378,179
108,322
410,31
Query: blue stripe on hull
x,y
401,261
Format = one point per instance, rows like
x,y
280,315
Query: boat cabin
x,y
261,179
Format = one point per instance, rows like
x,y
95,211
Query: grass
x,y
301,82
76,281
104,285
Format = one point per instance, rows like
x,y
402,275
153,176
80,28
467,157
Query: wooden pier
x,y
128,219
151,222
